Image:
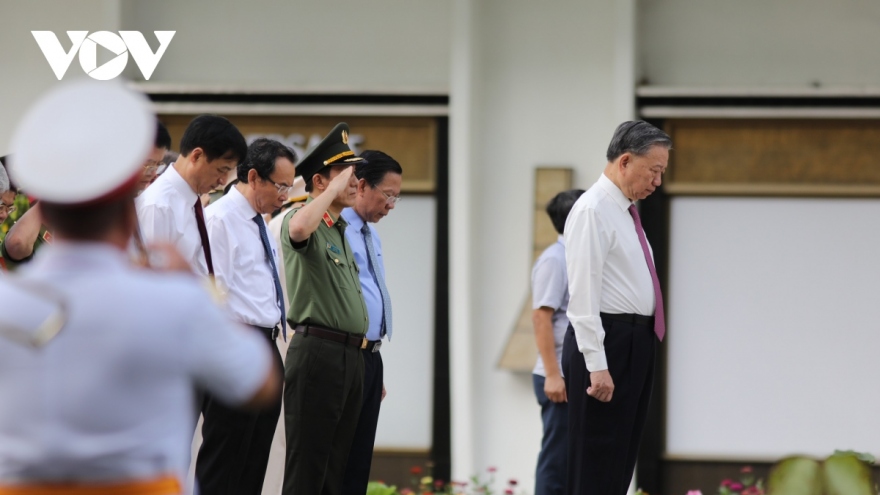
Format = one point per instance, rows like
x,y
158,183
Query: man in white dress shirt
x,y
236,444
616,314
169,209
97,397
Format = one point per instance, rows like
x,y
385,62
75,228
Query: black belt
x,y
271,333
645,321
359,341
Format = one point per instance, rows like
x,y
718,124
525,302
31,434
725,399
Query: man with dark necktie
x,y
235,451
378,191
616,314
169,210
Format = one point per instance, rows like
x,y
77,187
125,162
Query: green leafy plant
x,y
843,473
379,488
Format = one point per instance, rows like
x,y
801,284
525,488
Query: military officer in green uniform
x,y
324,369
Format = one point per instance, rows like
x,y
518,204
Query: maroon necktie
x,y
659,316
203,233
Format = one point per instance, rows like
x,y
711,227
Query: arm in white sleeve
x,y
156,223
222,252
586,248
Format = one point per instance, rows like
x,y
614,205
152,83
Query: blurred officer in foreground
x,y
98,358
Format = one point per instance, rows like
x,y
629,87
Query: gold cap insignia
x,y
344,136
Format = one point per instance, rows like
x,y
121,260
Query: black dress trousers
x,y
604,437
235,443
360,457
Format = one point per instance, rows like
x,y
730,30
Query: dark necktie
x,y
659,315
203,233
270,259
374,263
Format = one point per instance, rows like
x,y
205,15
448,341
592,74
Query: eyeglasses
x,y
151,166
282,188
390,200
6,208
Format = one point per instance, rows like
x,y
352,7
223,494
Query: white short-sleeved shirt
x,y
550,290
166,213
111,397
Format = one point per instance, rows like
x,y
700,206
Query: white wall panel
x,y
773,326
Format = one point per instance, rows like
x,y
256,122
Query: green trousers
x,y
322,400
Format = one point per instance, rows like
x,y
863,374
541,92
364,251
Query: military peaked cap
x,y
332,150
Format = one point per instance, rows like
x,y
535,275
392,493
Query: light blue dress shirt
x,y
369,283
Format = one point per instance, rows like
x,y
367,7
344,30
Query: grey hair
x,y
4,180
636,137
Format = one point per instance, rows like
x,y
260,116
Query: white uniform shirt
x,y
240,266
166,213
607,272
111,397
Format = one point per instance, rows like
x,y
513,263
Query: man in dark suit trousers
x,y
616,314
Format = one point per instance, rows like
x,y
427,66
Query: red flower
x,y
438,483
508,492
746,470
727,482
736,486
512,482
492,469
415,470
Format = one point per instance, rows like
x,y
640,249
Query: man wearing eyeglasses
x,y
378,191
161,145
235,447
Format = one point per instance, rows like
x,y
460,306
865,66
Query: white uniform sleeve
x,y
231,361
586,248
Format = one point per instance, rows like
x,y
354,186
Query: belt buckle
x,y
377,346
364,343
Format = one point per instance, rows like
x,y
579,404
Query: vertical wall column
x,y
461,207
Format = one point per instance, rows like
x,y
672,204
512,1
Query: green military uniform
x,y
44,237
323,377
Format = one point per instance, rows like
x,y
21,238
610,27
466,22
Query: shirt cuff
x,y
595,361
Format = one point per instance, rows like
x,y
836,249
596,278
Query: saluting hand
x,y
341,181
601,386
